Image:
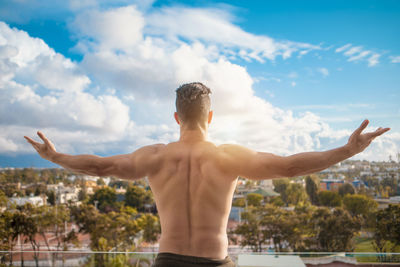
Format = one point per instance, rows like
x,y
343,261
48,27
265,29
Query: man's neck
x,y
193,134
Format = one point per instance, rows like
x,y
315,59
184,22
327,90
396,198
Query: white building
x,y
64,194
34,200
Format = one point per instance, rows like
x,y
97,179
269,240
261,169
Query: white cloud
x,y
395,59
194,24
373,60
27,99
353,50
342,48
323,71
293,84
356,53
118,28
359,56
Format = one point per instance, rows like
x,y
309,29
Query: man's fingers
x,y
380,131
30,140
362,127
44,138
377,133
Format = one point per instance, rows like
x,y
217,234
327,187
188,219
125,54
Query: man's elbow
x,y
291,172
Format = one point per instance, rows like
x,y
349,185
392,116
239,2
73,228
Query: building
x,y
330,184
34,200
64,194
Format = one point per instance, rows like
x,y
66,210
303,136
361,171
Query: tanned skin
x,y
193,180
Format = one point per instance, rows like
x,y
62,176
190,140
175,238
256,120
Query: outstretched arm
x,y
129,166
259,165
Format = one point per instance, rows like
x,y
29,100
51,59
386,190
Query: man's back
x,y
193,197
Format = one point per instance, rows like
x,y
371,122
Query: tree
x,y
22,226
106,199
239,202
280,186
100,182
295,194
290,193
6,234
345,189
137,197
312,190
151,227
329,199
51,197
359,205
250,231
3,199
108,231
54,219
264,223
279,225
333,230
82,195
254,199
387,229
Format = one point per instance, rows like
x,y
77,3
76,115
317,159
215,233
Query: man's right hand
x,y
359,141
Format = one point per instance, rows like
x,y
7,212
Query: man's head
x,y
193,104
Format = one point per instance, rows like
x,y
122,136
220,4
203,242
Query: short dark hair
x,y
193,102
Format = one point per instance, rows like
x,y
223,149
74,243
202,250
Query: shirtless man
x,y
193,180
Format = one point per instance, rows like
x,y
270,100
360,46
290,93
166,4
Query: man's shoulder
x,y
231,148
154,148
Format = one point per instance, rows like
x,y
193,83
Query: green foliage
x,y
359,205
250,231
51,197
264,223
137,197
290,193
277,201
254,199
239,202
100,182
111,231
387,229
151,227
106,199
312,190
3,199
345,189
280,186
333,230
304,229
329,199
296,195
82,195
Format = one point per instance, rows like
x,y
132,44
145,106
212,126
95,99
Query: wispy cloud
x,y
323,71
194,24
357,53
342,48
395,59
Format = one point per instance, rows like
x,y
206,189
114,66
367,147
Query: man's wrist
x,y
53,157
348,150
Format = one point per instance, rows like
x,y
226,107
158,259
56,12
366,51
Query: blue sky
x,y
287,76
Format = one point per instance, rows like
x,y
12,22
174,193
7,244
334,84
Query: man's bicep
x,y
255,165
134,165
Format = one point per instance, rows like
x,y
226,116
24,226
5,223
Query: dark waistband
x,y
191,259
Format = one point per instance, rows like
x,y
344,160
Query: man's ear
x,y
210,115
177,117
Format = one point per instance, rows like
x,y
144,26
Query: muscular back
x,y
193,196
